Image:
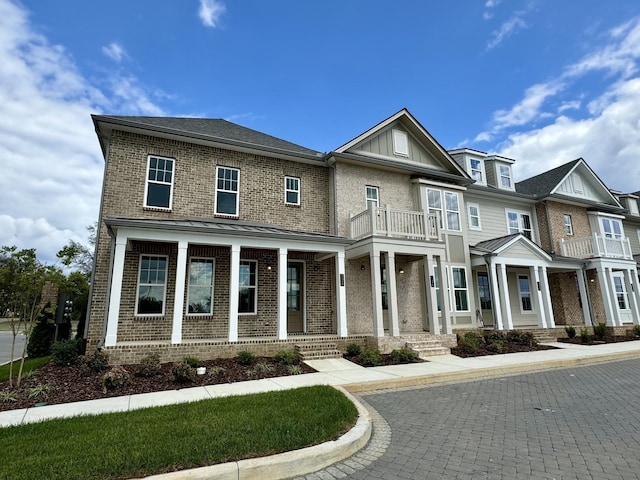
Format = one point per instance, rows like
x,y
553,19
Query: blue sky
x,y
540,81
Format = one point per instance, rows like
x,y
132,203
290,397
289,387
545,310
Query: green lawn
x,y
29,364
176,437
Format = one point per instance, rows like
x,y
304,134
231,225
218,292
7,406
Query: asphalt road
x,y
5,346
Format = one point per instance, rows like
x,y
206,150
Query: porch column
x,y
505,303
582,287
376,290
631,294
341,295
636,292
607,289
444,296
282,293
546,297
495,295
234,279
392,295
178,302
430,292
538,301
115,291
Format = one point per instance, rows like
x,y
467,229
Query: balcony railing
x,y
390,222
596,246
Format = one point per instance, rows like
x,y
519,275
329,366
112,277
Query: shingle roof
x,y
216,128
541,185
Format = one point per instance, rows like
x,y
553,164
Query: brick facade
x,y
550,216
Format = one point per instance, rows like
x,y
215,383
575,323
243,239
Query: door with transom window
x,y
295,297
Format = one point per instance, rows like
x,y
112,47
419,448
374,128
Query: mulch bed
x,y
69,384
386,360
508,348
597,341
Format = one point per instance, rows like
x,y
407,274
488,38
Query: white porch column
x,y
431,297
546,297
376,290
538,300
444,296
115,291
392,295
495,295
505,303
582,287
341,295
234,279
608,291
282,293
178,302
631,294
635,292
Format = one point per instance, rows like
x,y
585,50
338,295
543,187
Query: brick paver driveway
x,y
570,423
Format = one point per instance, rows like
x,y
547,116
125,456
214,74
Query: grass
x,y
29,364
175,437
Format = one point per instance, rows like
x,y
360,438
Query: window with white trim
x,y
638,233
372,196
159,189
519,222
152,285
484,291
633,206
292,190
436,286
476,169
227,197
200,289
473,210
400,143
434,203
611,228
460,291
524,290
568,226
248,287
504,172
452,206
576,183
621,291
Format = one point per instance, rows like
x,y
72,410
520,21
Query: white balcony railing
x,y
597,246
389,222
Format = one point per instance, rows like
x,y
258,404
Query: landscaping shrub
x,y
41,338
571,331
66,352
584,335
295,369
245,358
470,342
353,350
404,355
39,391
182,372
286,357
521,338
149,366
115,378
194,362
95,363
600,330
636,330
492,336
370,357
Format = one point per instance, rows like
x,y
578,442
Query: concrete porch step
x,y
318,350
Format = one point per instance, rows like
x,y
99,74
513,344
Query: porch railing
x,y
391,222
596,246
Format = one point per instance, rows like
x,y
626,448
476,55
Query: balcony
x,y
597,246
389,222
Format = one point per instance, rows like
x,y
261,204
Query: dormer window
x,y
476,168
400,143
505,177
633,206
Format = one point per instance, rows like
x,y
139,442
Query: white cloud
x,y
210,12
572,105
114,51
508,28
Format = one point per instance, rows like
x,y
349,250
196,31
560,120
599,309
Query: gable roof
x,y
211,130
496,246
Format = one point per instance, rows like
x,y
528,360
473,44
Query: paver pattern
x,y
569,423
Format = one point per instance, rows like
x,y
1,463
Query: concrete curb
x,y
287,464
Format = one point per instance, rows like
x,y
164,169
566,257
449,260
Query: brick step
x,y
431,342
544,337
318,350
301,347
428,347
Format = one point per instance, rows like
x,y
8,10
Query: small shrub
x,y
65,352
96,363
182,372
370,357
353,350
584,335
41,338
571,331
600,330
263,367
115,378
470,342
194,362
286,357
215,370
492,336
495,346
636,330
251,373
149,366
245,358
39,391
8,397
294,369
404,355
521,338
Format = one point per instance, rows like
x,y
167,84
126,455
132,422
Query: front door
x,y
622,299
295,297
485,313
385,299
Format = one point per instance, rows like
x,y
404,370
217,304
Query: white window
x,y
372,196
248,287
474,216
436,285
400,143
200,291
505,176
524,289
152,283
227,191
633,206
519,222
638,233
292,190
434,203
568,227
621,291
477,170
576,182
453,210
611,228
159,189
460,292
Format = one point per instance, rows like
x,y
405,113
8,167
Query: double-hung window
x,y
152,285
505,176
519,222
524,288
227,198
484,291
434,202
476,170
159,188
200,293
453,210
568,226
248,287
372,196
292,190
474,216
460,291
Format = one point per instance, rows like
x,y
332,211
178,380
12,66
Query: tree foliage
x,y
76,255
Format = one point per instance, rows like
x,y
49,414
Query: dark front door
x,y
295,297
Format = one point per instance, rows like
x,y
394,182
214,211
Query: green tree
x,y
75,254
